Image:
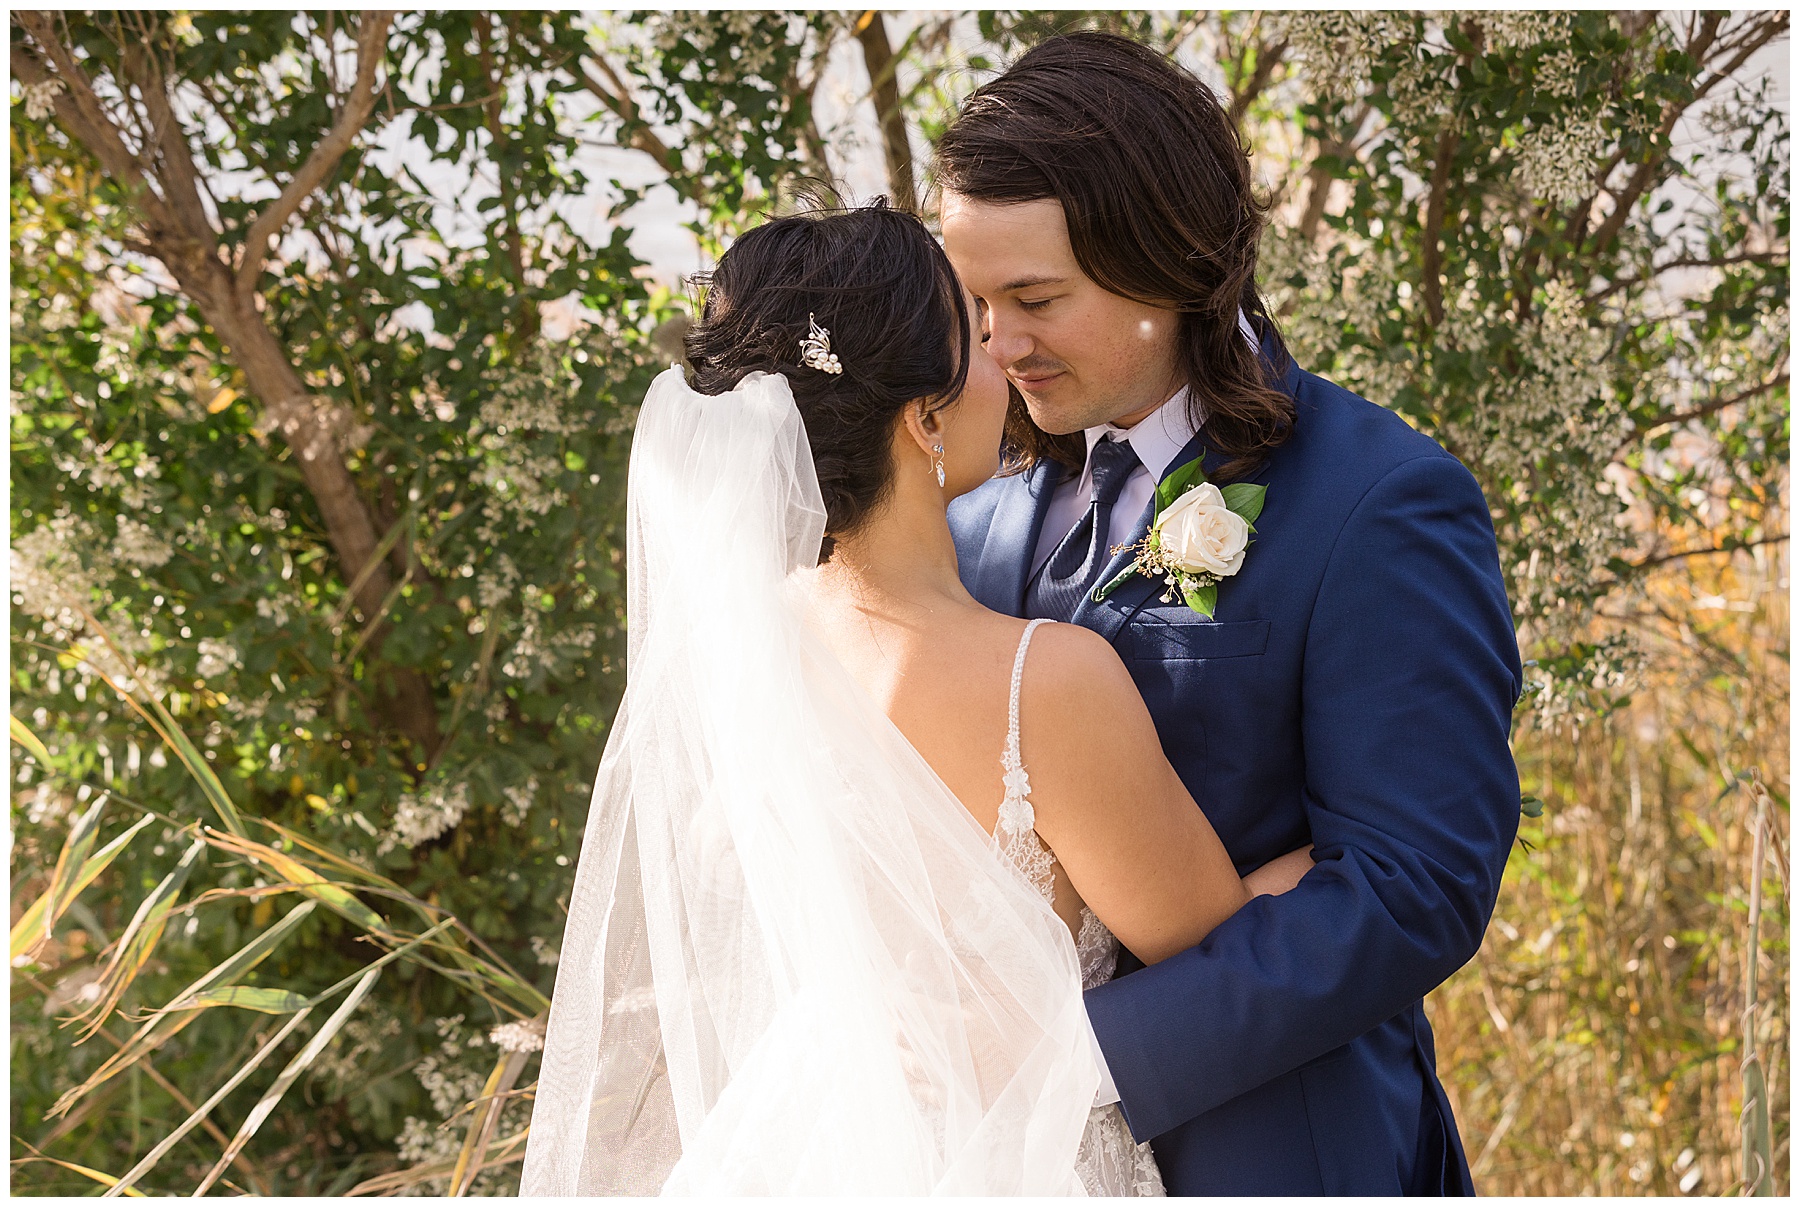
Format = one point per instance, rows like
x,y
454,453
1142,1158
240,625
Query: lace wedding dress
x,y
1110,1162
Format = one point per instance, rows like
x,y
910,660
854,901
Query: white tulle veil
x,y
793,963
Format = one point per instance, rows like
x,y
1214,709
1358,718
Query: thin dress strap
x,y
1011,758
1014,835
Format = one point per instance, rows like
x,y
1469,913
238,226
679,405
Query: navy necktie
x,y
1076,564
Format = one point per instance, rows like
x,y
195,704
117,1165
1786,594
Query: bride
x,y
857,843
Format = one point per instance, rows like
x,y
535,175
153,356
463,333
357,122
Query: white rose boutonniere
x,y
1199,537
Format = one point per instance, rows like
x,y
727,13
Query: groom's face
x,y
1080,355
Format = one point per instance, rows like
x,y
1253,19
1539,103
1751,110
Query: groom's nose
x,y
1007,342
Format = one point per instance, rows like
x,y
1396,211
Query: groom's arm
x,y
1411,673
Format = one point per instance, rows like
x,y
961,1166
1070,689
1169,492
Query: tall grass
x,y
250,1006
1594,1045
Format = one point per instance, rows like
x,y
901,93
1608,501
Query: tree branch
x,y
1319,179
884,90
1727,547
1431,267
176,232
176,174
1656,270
638,134
1268,58
78,107
1703,43
1712,408
371,48
524,314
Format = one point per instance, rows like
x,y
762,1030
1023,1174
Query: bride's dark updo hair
x,y
880,284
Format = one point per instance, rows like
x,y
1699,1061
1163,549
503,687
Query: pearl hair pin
x,y
815,349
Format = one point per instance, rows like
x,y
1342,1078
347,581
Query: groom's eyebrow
x,y
1030,282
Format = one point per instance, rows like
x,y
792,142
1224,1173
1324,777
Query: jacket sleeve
x,y
1410,673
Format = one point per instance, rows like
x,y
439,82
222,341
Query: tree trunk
x,y
312,431
878,57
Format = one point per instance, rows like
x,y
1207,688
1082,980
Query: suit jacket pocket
x,y
1177,633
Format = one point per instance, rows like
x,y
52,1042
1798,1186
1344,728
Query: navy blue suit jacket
x,y
1355,691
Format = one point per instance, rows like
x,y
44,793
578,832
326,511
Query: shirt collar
x,y
1158,438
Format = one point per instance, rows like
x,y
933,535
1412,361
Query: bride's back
x,y
944,679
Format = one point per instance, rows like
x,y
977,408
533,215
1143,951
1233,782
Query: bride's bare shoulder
x,y
1069,654
1077,692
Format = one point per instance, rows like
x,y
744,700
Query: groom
x,y
1354,684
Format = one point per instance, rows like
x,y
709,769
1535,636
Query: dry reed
x,y
1594,1045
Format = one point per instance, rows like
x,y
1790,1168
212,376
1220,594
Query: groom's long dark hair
x,y
1155,185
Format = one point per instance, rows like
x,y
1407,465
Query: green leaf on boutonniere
x,y
1176,483
1245,499
1203,599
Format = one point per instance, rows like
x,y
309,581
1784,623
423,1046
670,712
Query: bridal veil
x,y
793,963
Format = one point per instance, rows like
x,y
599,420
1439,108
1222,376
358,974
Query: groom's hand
x,y
1281,874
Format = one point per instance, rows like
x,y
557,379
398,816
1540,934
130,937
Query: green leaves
x,y
36,920
21,733
1245,499
1176,482
172,1018
250,997
1203,599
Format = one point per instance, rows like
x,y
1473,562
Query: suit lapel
x,y
1012,537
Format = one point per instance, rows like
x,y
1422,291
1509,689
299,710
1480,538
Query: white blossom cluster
x,y
1521,28
1560,162
526,1035
517,801
423,816
1420,92
58,571
216,658
449,1085
40,98
520,469
48,573
1339,48
494,585
1558,411
1353,284
274,609
422,1143
452,1083
738,44
366,1034
533,651
138,545
1558,74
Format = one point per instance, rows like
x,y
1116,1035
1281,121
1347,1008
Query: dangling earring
x,y
938,450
